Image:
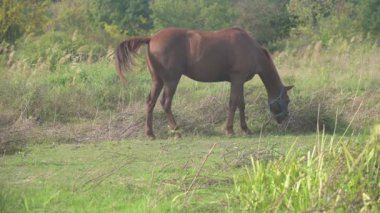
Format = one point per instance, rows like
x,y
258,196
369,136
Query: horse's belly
x,y
208,69
207,74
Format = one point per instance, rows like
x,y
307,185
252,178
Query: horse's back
x,y
210,55
206,56
167,40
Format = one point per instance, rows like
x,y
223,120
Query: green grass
x,y
250,174
133,175
339,178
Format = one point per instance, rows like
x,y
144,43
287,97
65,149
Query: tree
x,y
131,17
19,17
308,12
267,20
70,16
326,19
370,16
193,14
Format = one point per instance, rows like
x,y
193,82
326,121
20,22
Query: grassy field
x,y
194,175
137,175
71,138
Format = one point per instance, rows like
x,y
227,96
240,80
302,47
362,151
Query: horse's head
x,y
279,105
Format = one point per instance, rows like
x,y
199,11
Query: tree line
x,y
106,21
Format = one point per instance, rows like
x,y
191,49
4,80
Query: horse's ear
x,y
289,87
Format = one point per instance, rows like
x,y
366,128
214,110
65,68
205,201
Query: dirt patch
x,y
127,124
14,137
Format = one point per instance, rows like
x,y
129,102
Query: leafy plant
x,y
268,21
57,48
129,17
21,17
198,14
370,16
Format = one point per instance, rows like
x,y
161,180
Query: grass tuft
x,y
343,178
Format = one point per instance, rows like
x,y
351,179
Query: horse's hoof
x,y
151,136
175,133
173,127
177,136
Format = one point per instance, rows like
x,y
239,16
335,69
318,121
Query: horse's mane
x,y
271,63
266,52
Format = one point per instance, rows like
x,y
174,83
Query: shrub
x,y
198,14
130,17
55,48
370,16
266,20
21,17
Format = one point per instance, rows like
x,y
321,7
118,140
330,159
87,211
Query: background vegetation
x,y
59,92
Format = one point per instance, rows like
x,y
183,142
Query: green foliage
x,y
370,16
324,20
130,17
193,14
56,48
267,20
70,16
309,12
19,17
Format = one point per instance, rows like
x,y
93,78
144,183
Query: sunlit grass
x,y
341,177
134,175
283,173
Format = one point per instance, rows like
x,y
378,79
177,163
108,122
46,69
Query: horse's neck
x,y
272,81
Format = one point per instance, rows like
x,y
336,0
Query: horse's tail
x,y
124,52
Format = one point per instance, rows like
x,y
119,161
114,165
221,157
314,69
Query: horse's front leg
x,y
236,94
243,123
230,117
150,103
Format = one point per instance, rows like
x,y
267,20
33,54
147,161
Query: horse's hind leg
x,y
166,101
150,103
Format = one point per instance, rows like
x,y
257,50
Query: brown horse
x,y
229,55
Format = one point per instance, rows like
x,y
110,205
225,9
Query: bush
x,y
129,17
370,16
266,20
56,48
193,14
21,17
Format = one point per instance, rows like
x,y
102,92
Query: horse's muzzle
x,y
281,117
